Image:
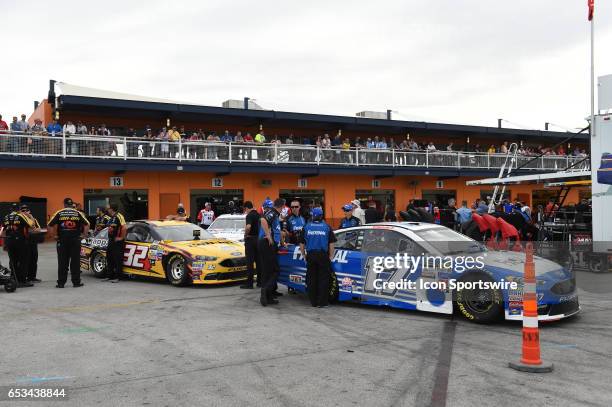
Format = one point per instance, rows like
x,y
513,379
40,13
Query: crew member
x,y
68,225
116,244
16,231
102,219
294,223
349,221
251,232
206,216
267,246
33,240
317,247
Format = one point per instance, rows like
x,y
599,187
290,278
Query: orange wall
x,y
55,185
42,112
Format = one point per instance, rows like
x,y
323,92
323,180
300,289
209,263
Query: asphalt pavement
x,y
139,343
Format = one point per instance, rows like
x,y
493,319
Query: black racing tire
x,y
10,286
97,264
334,290
483,306
176,271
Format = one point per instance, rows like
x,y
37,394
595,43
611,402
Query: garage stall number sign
x,y
217,182
134,255
375,183
116,181
302,183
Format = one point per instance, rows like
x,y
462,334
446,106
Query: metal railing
x,y
122,148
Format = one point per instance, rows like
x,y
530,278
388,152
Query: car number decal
x,y
134,255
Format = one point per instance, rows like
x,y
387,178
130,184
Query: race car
x,y
358,276
180,252
229,227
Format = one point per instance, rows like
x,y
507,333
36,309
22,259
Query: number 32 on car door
x,y
135,257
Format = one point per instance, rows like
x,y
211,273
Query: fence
x,y
97,147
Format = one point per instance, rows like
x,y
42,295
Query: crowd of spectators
x,y
164,143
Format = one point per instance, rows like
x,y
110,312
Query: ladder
x,y
505,170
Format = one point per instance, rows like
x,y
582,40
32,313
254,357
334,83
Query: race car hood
x,y
514,262
208,247
234,235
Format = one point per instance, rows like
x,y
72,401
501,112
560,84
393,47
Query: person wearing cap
x,y
32,245
102,219
116,244
180,214
294,223
317,247
16,230
206,216
357,211
270,237
68,225
349,220
251,233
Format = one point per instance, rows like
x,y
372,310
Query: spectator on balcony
x,y
227,137
237,150
164,145
262,153
450,146
149,147
38,132
173,137
347,157
504,148
248,152
491,149
308,155
325,147
358,142
72,146
183,133
561,151
25,126
15,142
132,146
382,158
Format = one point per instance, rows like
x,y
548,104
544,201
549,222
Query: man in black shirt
x,y
116,244
251,231
371,214
16,230
69,225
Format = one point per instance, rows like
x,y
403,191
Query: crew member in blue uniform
x,y
349,220
294,224
317,247
270,237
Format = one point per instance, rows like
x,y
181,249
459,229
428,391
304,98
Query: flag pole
x,y
593,75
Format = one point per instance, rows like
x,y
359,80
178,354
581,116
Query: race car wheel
x,y
333,288
176,271
482,306
10,286
98,264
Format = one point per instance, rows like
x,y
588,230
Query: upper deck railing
x,y
122,148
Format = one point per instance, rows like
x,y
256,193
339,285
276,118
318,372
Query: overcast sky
x,y
459,61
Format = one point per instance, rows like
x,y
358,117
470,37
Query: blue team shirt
x,y
272,217
317,235
350,222
295,224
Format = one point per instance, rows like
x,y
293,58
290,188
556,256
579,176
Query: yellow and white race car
x,y
181,252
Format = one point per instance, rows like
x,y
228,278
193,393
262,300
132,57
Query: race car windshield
x,y
228,224
181,233
449,242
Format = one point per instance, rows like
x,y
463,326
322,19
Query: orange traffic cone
x,y
530,362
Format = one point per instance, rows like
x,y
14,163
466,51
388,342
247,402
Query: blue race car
x,y
493,285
